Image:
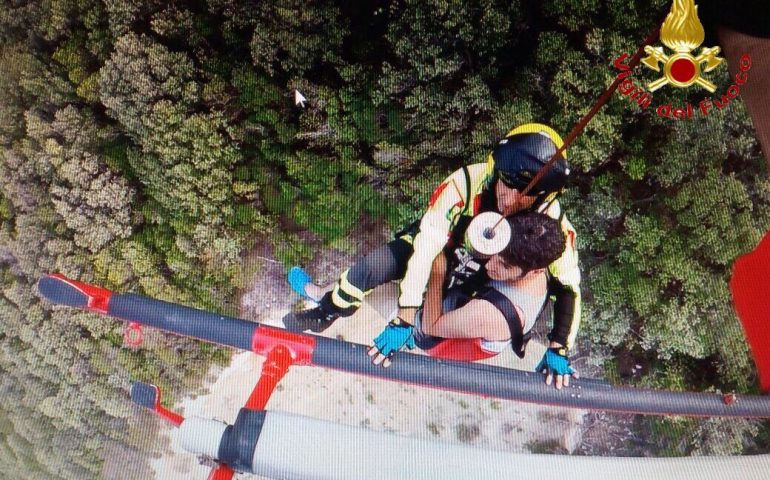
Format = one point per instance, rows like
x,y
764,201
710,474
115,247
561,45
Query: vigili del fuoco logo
x,y
682,32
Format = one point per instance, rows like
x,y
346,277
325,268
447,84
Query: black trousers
x,y
385,264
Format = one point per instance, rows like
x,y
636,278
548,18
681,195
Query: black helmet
x,y
519,156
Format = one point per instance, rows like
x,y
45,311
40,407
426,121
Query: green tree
x,y
140,73
92,200
290,37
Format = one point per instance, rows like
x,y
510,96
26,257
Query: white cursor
x,y
299,99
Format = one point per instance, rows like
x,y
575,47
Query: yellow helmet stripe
x,y
540,128
529,128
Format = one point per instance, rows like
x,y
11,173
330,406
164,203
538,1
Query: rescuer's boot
x,y
315,319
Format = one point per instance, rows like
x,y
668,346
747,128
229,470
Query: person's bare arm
x,y
477,319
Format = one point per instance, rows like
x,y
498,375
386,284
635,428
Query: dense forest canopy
x,y
148,145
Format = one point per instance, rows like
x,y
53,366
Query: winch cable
x,y
581,125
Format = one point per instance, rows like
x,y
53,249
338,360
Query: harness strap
x,y
504,304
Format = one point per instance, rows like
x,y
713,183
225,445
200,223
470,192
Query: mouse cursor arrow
x,y
299,99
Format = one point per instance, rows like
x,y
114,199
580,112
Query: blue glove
x,y
394,338
555,362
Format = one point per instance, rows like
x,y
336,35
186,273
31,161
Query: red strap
x,y
437,193
581,125
578,129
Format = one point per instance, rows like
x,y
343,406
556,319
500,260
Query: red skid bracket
x,y
299,346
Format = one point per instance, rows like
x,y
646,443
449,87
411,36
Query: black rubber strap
x,y
400,322
467,190
237,445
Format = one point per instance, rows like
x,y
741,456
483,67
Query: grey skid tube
x,y
295,447
185,321
510,384
172,317
471,378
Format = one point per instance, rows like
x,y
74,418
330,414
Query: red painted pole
x,y
222,472
276,365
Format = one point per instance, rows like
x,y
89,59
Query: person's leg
x,y
380,266
383,265
316,292
754,91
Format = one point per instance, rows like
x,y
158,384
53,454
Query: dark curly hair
x,y
536,241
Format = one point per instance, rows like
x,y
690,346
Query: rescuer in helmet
x,y
494,185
